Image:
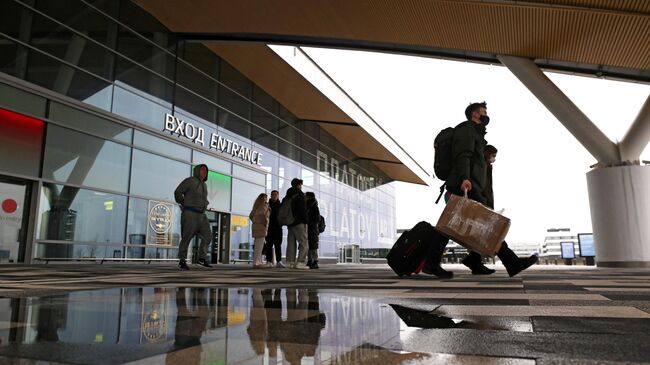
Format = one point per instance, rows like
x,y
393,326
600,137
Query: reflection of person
x,y
192,195
257,327
468,174
313,218
191,319
299,335
260,217
274,235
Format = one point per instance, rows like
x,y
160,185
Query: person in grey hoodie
x,y
192,195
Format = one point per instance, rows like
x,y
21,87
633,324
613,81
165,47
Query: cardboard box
x,y
473,225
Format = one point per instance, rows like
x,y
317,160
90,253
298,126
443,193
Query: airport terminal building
x,y
103,111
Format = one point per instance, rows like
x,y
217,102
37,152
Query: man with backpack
x,y
466,171
293,214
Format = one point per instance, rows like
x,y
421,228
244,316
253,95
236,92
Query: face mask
x,y
485,120
492,159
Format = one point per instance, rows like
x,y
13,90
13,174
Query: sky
x,y
540,171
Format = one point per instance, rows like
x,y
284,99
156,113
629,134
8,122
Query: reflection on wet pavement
x,y
203,326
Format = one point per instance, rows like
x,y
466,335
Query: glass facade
x,y
151,107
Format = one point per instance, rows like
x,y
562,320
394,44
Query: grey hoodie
x,y
192,192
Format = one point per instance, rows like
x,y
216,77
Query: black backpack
x,y
321,224
442,159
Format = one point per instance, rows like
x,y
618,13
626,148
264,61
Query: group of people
x,y
304,230
471,174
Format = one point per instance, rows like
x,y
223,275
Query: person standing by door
x,y
192,195
274,235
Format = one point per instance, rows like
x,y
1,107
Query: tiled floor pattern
x,y
547,315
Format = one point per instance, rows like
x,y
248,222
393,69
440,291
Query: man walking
x,y
469,174
274,235
192,195
298,229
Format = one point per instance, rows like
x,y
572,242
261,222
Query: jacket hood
x,y
196,171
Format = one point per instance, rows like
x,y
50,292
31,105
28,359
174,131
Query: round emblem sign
x,y
160,218
9,206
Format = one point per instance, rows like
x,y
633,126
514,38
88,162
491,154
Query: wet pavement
x,y
106,314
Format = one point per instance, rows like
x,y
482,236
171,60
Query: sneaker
x,y
182,266
301,266
521,265
438,271
269,265
314,265
202,262
280,265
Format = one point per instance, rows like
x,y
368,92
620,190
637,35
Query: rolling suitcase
x,y
409,253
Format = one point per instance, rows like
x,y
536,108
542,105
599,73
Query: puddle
x,y
212,326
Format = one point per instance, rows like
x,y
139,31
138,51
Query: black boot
x,y
314,265
474,262
513,263
432,265
309,263
182,265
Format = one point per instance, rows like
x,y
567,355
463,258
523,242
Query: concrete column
x,y
573,119
619,198
637,137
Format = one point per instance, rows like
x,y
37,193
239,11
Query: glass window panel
x,y
73,214
146,25
77,158
148,52
243,196
21,143
236,124
199,56
265,138
288,170
213,163
161,146
248,174
87,122
219,191
140,109
51,74
149,84
289,142
155,176
83,18
194,105
241,241
309,178
138,226
67,45
21,101
64,250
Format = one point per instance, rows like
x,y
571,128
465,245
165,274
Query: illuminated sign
x,y
586,244
197,135
568,250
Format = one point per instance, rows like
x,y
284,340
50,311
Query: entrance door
x,y
14,212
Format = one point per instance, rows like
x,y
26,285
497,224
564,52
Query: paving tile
x,y
554,311
591,325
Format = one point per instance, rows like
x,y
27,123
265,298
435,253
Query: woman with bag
x,y
260,217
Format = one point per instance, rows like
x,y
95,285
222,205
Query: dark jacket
x,y
274,226
488,193
313,216
298,207
192,192
468,161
